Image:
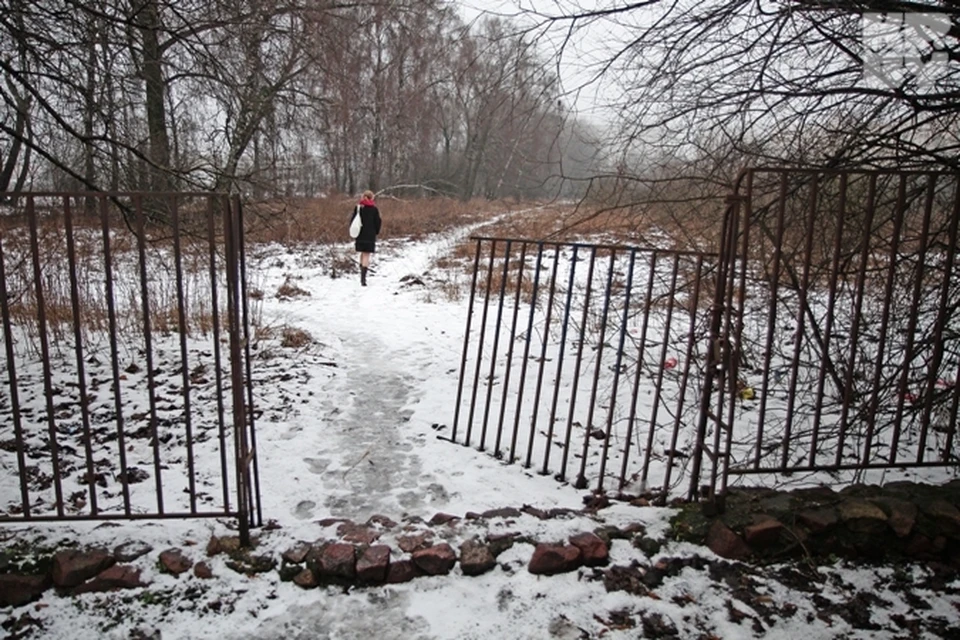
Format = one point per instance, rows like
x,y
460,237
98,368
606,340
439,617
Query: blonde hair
x,y
368,195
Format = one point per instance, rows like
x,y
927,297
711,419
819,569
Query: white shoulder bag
x,y
356,224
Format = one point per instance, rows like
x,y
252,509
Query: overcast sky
x,y
583,50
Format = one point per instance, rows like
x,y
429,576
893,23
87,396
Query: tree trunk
x,y
89,111
147,19
13,155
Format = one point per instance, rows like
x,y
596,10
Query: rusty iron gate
x,y
125,330
821,345
583,360
836,330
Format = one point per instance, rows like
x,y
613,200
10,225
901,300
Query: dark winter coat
x,y
370,217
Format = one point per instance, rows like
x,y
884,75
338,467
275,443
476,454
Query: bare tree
x,y
250,95
816,83
702,89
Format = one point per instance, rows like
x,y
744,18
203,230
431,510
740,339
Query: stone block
x,y
72,567
436,560
551,559
373,564
763,534
17,590
724,542
593,551
476,558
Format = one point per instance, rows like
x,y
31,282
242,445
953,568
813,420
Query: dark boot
x,y
363,276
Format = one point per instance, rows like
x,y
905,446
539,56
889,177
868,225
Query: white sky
x,y
587,48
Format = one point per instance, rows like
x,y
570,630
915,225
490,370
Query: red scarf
x,y
366,203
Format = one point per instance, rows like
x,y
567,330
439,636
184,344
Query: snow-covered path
x,y
362,440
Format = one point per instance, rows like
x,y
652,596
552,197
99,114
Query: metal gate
x,y
125,330
584,360
836,333
821,346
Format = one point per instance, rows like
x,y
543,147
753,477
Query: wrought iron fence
x,y
125,350
836,329
821,345
581,360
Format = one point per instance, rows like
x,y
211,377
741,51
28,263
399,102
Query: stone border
x,y
899,521
353,557
902,520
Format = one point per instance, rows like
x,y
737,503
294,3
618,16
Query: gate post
x,y
242,452
718,353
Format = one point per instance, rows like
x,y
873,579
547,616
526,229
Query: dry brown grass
x,y
290,289
320,221
325,220
294,338
558,222
59,281
660,225
517,274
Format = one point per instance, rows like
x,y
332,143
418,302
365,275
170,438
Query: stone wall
x,y
899,521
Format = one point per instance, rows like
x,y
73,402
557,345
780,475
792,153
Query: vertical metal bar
x,y
14,387
78,351
664,349
564,325
238,446
616,368
884,320
45,352
236,369
688,360
212,202
647,301
579,359
937,340
912,325
114,356
772,318
513,339
255,489
743,266
526,352
184,363
496,344
483,331
733,341
714,364
543,359
799,320
581,477
642,352
466,343
865,253
148,345
826,360
635,390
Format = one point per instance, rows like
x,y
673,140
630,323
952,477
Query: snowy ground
x,y
360,438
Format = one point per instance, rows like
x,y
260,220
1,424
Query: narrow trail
x,y
361,435
350,450
379,469
353,449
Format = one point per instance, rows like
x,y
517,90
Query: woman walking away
x,y
366,242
